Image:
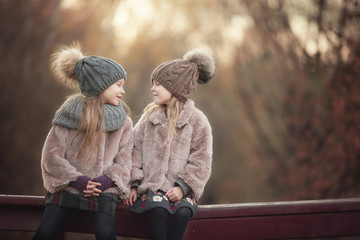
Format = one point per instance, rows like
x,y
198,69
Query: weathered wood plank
x,y
272,220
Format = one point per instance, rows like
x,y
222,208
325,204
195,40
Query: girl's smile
x,y
113,94
160,94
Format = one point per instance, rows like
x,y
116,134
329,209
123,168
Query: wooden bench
x,y
270,220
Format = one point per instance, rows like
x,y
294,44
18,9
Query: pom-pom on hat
x,y
181,76
93,74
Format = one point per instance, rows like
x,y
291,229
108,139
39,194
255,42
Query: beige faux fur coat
x,y
59,164
158,162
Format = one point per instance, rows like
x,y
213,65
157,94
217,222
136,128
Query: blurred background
x,y
284,104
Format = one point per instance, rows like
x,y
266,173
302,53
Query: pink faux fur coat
x,y
59,164
158,162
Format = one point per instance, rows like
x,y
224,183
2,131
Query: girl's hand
x,y
175,194
91,189
132,198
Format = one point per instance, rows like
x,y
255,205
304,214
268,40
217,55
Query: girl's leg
x,y
104,226
179,223
51,222
159,218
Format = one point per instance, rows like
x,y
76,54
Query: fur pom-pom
x,y
205,62
63,64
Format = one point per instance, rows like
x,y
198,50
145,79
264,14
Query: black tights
x,y
159,218
55,216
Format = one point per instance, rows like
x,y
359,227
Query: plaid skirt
x,y
150,200
106,202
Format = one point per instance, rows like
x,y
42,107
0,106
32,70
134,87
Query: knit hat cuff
x,y
175,92
96,91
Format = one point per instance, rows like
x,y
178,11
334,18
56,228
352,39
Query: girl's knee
x,y
160,212
183,212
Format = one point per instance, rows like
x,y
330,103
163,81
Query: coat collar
x,y
159,117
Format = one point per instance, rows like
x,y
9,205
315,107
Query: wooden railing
x,y
271,220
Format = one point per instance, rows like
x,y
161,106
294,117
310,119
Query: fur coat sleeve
x,y
137,173
56,169
119,172
197,170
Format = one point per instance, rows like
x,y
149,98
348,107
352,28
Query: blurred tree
x,y
316,145
29,96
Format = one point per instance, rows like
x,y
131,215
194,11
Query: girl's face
x,y
160,94
113,94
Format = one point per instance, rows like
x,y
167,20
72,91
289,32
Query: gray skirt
x,y
150,200
106,202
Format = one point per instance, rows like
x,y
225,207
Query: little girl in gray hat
x,y
172,146
86,158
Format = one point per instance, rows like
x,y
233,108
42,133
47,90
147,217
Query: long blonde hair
x,y
173,110
92,124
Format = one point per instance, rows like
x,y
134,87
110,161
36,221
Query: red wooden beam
x,y
273,220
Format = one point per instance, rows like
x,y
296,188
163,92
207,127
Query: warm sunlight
x,y
154,19
131,15
68,3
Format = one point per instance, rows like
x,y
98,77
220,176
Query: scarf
x,y
69,115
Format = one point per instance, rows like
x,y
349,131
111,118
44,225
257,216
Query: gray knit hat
x,y
181,76
96,74
93,74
